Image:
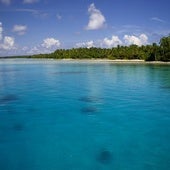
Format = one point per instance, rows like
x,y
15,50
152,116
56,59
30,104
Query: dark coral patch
x,y
10,110
105,157
89,110
165,87
18,127
8,98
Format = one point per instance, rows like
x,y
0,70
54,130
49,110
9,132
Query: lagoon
x,y
82,115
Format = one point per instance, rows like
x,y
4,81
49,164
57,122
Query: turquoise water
x,y
59,115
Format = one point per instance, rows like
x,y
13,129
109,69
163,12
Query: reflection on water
x,y
90,99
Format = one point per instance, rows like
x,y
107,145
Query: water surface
x,y
60,115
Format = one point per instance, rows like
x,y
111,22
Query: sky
x,y
41,26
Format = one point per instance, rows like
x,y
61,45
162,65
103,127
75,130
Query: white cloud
x,y
157,19
48,46
90,44
33,11
1,30
33,50
87,44
96,19
113,42
20,29
143,38
30,1
8,43
36,13
25,48
59,17
131,39
6,2
50,43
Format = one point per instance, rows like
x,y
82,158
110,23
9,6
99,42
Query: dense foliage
x,y
152,52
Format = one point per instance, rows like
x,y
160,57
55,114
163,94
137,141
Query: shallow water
x,y
84,116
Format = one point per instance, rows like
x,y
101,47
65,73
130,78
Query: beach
x,y
47,60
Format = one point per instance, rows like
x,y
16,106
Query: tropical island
x,y
151,52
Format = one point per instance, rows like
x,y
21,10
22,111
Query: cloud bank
x,y
140,40
8,46
113,42
107,42
87,44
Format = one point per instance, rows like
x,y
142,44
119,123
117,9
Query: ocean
x,y
79,115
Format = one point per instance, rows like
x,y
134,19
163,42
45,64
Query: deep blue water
x,y
58,115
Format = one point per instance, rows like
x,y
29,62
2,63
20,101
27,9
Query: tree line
x,y
152,52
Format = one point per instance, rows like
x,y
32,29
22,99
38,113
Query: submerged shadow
x,y
166,87
89,110
8,98
18,127
104,157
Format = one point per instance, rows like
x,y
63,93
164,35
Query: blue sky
x,y
41,26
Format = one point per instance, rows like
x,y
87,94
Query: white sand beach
x,y
93,61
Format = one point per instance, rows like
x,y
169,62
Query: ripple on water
x,y
90,99
68,72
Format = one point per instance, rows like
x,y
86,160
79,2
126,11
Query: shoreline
x,y
46,60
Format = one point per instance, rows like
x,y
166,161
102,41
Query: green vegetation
x,y
152,52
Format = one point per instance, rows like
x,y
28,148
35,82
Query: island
x,y
151,52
